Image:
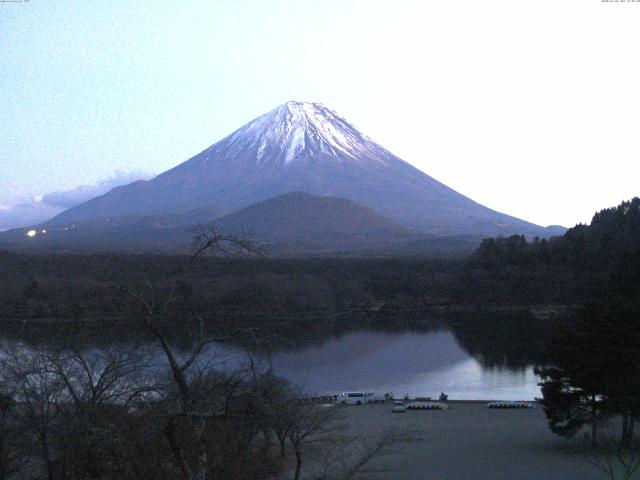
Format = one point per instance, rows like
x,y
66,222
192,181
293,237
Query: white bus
x,y
354,398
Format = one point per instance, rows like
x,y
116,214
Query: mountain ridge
x,y
305,147
293,224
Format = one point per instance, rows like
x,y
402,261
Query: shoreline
x,y
324,400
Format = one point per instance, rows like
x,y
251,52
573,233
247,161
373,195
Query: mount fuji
x,y
301,147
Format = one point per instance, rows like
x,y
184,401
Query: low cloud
x,y
39,208
27,212
82,193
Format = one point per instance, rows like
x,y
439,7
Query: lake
x,y
413,363
467,361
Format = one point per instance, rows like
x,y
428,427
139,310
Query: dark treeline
x,y
612,238
575,267
73,287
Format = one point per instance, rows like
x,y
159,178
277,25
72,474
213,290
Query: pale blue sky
x,y
530,109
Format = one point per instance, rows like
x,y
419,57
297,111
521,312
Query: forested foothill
x,y
570,269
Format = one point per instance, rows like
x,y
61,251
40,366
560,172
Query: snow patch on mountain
x,y
296,131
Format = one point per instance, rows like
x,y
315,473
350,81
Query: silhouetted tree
x,y
594,372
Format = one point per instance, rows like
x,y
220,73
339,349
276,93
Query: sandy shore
x,y
470,441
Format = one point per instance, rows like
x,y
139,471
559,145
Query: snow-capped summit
x,y
303,147
296,131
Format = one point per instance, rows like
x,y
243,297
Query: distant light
x,y
31,233
44,230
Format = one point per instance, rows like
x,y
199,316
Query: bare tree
x,y
308,425
39,395
213,241
98,387
343,456
618,459
11,460
319,433
190,418
280,407
109,376
71,405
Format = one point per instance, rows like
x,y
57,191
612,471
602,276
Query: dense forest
x,y
74,287
587,262
611,240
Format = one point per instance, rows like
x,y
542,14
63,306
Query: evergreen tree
x,y
594,372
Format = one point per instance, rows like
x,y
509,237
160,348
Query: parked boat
x,y
510,405
427,406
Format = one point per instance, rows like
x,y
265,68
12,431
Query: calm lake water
x,y
414,363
